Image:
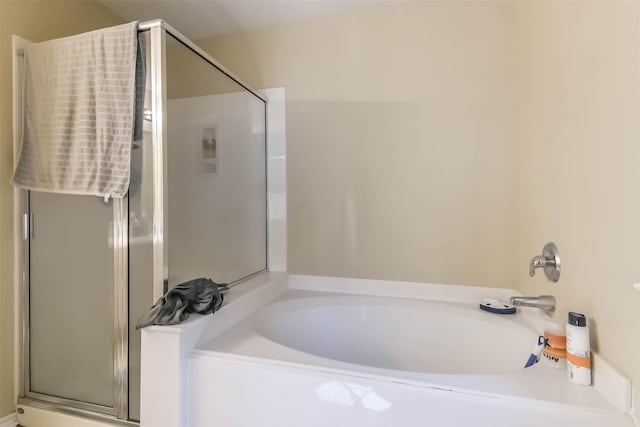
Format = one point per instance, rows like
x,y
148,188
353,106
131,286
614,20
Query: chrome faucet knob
x,y
536,262
549,261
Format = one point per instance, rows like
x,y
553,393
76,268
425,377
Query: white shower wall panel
x,y
217,200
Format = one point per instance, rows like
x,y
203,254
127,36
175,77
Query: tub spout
x,y
546,303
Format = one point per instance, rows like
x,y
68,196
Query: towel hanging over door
x,y
79,112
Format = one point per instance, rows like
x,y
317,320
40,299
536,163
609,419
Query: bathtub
x,y
291,350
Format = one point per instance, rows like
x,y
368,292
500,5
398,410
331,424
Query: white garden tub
x,y
297,350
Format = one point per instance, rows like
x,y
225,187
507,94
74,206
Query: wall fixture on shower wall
x,y
549,261
209,151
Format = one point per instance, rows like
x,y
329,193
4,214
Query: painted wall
x,y
579,180
399,139
37,21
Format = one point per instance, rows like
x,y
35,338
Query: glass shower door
x,y
71,310
81,348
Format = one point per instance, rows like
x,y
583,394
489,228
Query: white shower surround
x,y
224,369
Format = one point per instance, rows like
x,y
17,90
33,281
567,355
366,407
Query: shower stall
x,y
86,269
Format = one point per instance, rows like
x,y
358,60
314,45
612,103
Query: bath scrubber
x,y
496,306
535,353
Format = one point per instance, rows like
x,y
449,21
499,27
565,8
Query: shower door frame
x,y
120,321
119,413
23,224
23,221
159,30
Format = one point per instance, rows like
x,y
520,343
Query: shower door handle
x,y
27,226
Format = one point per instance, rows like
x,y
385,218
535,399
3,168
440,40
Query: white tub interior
x,y
398,333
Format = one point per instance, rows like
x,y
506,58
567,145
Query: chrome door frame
x,y
120,331
23,225
118,414
159,30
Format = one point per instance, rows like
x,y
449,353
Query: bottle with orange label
x,y
555,349
578,349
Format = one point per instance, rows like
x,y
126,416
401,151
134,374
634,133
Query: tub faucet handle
x,y
537,261
549,261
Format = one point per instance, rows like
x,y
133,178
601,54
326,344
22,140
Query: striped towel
x,y
79,110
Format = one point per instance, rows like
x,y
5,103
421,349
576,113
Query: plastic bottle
x,y
554,352
578,349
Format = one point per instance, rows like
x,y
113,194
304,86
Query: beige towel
x,y
79,107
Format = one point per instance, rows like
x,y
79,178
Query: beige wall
x,y
579,179
36,21
399,141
